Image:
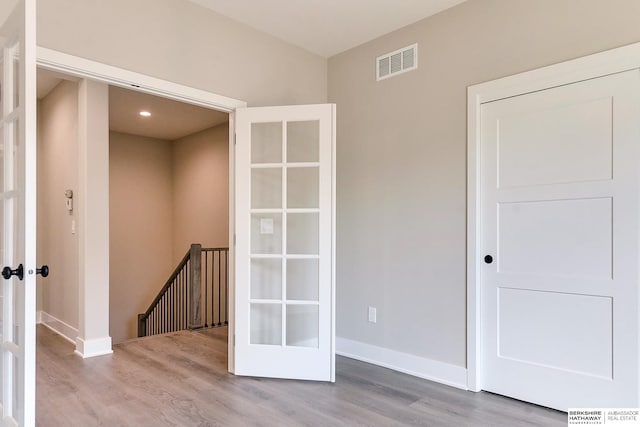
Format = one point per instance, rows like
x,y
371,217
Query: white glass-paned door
x,y
284,242
17,196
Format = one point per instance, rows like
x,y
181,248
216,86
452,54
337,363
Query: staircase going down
x,y
195,295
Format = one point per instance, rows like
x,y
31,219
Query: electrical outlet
x,y
373,316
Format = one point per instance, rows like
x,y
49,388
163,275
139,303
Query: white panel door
x,y
17,192
284,219
560,233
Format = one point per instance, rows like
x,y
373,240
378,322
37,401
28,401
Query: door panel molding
x,y
589,67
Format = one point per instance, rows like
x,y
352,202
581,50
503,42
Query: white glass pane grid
x,y
9,151
310,306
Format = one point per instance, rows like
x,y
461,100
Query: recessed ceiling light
x,y
145,114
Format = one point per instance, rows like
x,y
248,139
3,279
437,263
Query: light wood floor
x,y
181,379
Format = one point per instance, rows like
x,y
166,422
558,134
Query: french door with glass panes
x,y
285,228
18,211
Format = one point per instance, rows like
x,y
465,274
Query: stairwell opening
x,y
167,191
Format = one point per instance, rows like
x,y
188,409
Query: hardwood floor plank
x,y
181,379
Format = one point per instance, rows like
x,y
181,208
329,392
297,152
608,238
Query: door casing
x,y
597,65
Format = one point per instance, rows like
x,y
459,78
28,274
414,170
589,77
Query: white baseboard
x,y
428,369
63,329
93,348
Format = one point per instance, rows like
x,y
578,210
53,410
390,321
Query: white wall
x,y
92,204
402,160
57,172
179,41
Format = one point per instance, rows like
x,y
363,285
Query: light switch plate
x,y
266,225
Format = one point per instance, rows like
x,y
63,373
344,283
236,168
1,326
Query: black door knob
x,y
44,271
7,272
488,259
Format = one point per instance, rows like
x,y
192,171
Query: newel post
x,y
195,290
142,325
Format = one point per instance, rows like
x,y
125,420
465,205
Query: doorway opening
x,y
166,177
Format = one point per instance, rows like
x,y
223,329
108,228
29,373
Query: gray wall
x,y
402,158
181,42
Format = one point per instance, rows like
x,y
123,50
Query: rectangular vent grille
x,y
397,62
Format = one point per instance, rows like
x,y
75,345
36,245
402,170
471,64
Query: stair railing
x,y
215,279
179,304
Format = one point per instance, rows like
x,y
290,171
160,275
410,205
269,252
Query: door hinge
x,y
234,240
235,139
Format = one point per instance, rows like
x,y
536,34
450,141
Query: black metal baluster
x,y
226,287
213,285
178,306
219,288
206,289
184,301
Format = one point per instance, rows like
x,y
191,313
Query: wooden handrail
x,y
173,276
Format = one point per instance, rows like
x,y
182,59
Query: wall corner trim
x,y
61,328
94,347
429,369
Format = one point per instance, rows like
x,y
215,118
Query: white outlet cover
x,y
372,315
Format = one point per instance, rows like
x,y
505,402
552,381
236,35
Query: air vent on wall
x,y
397,62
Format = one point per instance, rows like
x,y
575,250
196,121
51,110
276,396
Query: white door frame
x,y
83,68
589,67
